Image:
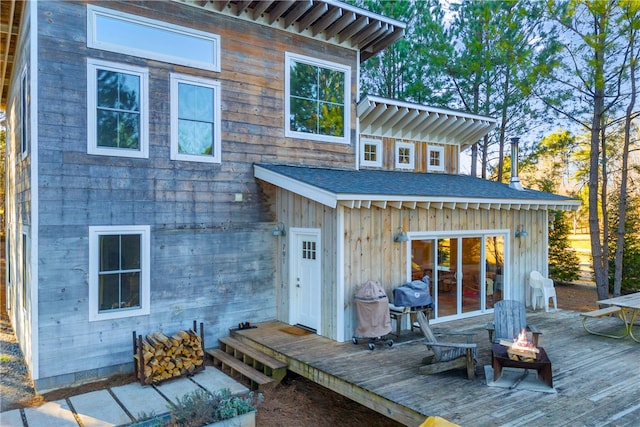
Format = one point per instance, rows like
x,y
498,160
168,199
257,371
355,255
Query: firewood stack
x,y
159,357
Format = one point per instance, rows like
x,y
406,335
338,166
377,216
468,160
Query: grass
x,y
580,242
5,358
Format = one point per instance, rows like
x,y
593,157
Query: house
x,y
181,160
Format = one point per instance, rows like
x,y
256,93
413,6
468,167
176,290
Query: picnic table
x,y
630,306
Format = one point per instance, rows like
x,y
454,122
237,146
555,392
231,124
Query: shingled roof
x,y
366,188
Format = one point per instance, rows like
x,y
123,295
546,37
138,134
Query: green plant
x,y
202,407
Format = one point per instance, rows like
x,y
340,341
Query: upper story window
x,y
371,153
195,119
117,109
435,159
25,117
119,259
317,99
405,155
147,38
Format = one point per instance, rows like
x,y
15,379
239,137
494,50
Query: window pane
x,y
304,115
130,252
331,86
109,253
131,290
118,90
304,80
195,138
331,119
109,291
118,114
195,102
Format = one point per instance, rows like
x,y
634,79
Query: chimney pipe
x,y
515,181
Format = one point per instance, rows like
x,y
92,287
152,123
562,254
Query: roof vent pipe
x,y
515,181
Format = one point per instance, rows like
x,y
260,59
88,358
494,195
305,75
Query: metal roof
x,y
357,189
331,21
398,119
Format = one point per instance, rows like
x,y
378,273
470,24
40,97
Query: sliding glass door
x,y
465,272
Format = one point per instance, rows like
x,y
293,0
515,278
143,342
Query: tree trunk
x,y
619,260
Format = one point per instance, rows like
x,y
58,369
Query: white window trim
x,y
94,267
215,157
378,144
347,99
412,155
94,42
439,168
92,103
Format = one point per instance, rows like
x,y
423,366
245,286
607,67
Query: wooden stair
x,y
251,366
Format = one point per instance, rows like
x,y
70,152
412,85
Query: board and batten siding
x,y
212,252
369,252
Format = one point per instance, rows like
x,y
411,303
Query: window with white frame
x,y
117,108
26,288
317,99
371,152
195,119
119,270
405,155
147,38
435,159
24,114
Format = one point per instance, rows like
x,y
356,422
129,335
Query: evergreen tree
x,y
564,265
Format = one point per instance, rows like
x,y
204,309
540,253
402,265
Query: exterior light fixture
x,y
279,230
521,232
400,236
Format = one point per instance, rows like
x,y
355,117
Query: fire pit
x,y
521,354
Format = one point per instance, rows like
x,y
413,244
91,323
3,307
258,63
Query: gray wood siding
x,y
212,258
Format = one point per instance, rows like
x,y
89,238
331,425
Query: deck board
x,y
597,378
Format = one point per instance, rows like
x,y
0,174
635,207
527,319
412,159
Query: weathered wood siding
x,y
297,211
212,258
18,207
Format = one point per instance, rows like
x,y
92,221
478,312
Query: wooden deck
x,y
597,379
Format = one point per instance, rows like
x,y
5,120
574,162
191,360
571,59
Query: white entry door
x,y
305,278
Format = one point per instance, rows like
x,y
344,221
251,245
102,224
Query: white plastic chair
x,y
542,287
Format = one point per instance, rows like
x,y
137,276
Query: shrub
x,y
202,407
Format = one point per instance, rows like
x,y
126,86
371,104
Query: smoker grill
x,y
372,309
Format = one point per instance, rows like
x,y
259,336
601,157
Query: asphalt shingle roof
x,y
397,183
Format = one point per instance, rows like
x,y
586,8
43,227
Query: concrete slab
x,y
11,419
177,388
141,400
56,413
99,409
215,380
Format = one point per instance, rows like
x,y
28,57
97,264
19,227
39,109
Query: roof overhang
x,y
330,21
398,119
11,14
366,201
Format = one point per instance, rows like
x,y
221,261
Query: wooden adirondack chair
x,y
509,319
447,355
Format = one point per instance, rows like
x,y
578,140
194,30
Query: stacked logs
x,y
159,357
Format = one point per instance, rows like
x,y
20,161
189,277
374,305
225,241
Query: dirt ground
x,y
296,401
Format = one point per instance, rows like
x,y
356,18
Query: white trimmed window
x,y
317,99
371,152
25,117
119,270
195,119
405,155
117,109
435,159
147,38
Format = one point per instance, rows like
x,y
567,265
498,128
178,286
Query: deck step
x,y
228,364
253,357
